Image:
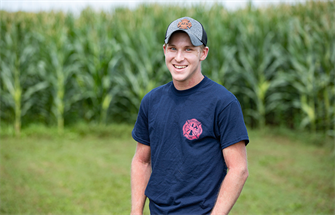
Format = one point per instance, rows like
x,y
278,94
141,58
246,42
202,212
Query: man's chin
x,y
179,78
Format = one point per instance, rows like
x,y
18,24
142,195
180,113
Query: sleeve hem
x,y
145,142
245,138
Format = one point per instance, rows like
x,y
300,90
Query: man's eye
x,y
171,48
188,50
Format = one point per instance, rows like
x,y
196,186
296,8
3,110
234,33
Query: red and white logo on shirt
x,y
192,129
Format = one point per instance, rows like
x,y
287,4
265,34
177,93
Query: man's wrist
x,y
136,212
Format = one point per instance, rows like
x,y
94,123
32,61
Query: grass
x,y
86,170
287,177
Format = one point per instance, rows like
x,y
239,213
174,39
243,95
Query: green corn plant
x,y
59,65
257,61
96,78
143,67
18,71
323,37
302,58
222,46
309,39
99,56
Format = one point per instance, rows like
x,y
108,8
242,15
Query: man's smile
x,y
179,67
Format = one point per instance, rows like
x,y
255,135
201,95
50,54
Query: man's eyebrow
x,y
184,46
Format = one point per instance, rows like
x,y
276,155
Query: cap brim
x,y
194,40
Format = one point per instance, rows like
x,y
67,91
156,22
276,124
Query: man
x,y
189,132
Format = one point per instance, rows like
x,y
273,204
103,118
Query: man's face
x,y
183,60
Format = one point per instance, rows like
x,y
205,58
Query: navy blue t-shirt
x,y
186,131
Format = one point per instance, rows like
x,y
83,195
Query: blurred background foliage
x,y
60,69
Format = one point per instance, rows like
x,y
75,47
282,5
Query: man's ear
x,y
164,48
204,53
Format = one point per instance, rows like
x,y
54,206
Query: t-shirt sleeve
x,y
231,125
140,131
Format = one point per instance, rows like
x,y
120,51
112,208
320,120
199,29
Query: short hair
x,y
202,47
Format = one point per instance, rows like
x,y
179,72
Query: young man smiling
x,y
184,60
189,133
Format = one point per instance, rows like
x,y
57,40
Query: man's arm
x,y
140,174
236,159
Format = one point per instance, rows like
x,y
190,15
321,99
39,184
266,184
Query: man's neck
x,y
188,84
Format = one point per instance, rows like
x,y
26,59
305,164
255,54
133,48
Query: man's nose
x,y
180,56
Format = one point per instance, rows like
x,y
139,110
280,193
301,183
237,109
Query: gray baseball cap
x,y
192,27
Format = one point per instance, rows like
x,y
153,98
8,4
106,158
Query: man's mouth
x,y
179,67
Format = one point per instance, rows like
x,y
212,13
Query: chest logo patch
x,y
192,129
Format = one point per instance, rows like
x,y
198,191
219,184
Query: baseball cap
x,y
192,27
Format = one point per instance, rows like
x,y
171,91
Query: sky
x,y
75,6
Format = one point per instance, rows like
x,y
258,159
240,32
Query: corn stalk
x,y
256,63
99,56
142,68
17,58
59,64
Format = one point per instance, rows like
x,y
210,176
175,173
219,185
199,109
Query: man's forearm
x,y
230,191
140,174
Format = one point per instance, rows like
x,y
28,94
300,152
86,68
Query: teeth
x,y
180,67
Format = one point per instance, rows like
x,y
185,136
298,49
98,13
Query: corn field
x,y
59,69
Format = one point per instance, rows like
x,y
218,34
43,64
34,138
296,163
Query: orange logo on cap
x,y
184,24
